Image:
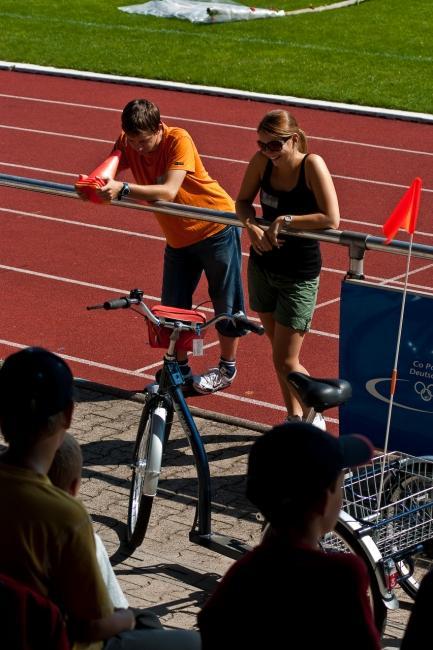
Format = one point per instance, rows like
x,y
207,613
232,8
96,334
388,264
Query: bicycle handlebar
x,y
135,298
241,319
117,303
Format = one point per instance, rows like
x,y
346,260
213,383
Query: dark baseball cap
x,y
34,383
298,462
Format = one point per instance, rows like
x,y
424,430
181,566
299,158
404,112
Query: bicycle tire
x,y
342,540
413,479
146,467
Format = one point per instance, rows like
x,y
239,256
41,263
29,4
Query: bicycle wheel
x,y
410,492
146,468
343,540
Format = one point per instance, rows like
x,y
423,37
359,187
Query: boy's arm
x,y
179,155
167,191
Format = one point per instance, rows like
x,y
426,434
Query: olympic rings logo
x,y
425,392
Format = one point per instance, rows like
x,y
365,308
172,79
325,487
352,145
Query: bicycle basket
x,y
159,337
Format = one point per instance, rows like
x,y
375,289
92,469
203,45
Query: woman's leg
x,y
286,348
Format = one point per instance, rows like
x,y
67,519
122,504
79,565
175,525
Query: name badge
x,y
268,199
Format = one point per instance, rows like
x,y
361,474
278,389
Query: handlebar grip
x,y
249,325
118,303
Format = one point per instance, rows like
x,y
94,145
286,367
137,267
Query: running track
x,y
58,255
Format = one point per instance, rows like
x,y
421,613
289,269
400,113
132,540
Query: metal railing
x,y
357,243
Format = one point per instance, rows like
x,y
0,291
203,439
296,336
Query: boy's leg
x,y
181,275
221,259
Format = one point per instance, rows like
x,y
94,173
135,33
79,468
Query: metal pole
x,y
356,242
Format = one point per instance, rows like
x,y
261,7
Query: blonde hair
x,y
281,124
67,464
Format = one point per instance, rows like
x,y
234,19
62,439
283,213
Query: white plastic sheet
x,y
201,12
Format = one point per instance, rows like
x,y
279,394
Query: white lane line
x,y
58,135
57,278
403,275
83,224
86,362
352,179
37,169
162,239
48,276
50,171
137,373
178,118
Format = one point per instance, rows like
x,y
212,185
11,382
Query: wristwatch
x,y
124,192
287,219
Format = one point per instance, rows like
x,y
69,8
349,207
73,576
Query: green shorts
x,y
291,302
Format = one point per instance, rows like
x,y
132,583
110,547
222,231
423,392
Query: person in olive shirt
x,y
47,540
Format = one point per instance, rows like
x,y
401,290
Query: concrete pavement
x,y
168,573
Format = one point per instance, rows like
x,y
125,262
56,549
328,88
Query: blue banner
x,y
369,320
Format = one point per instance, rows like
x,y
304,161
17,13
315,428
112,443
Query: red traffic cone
x,y
88,184
108,168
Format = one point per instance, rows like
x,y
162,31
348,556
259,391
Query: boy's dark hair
x,y
140,115
291,467
35,386
67,464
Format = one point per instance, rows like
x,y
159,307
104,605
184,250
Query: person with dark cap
x,y
47,540
287,592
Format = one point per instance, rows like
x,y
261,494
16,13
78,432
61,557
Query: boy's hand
x,y
110,191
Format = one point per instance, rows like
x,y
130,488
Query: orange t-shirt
x,y
178,151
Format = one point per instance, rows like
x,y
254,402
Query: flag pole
x,y
397,350
404,216
394,374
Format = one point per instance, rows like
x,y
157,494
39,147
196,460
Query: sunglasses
x,y
274,145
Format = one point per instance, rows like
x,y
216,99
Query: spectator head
x,y
36,396
67,465
281,124
140,115
294,467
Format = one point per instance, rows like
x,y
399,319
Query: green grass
x,y
375,53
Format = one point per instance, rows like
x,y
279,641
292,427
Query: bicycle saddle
x,y
320,394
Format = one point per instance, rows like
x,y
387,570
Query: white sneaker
x,y
213,380
319,421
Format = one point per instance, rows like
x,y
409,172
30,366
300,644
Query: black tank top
x,y
298,258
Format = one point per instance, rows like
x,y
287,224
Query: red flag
x,y
405,213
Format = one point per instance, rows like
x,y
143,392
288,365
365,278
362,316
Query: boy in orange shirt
x,y
167,167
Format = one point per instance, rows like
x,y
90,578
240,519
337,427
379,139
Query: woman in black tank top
x,y
296,193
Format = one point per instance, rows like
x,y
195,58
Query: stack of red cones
x,y
96,179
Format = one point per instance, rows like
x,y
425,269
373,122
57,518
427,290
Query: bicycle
x,y
387,516
171,328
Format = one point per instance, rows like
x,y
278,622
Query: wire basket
x,y
396,511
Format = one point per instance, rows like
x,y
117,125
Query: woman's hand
x,y
259,240
274,230
272,233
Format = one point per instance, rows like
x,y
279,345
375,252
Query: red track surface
x,y
52,264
